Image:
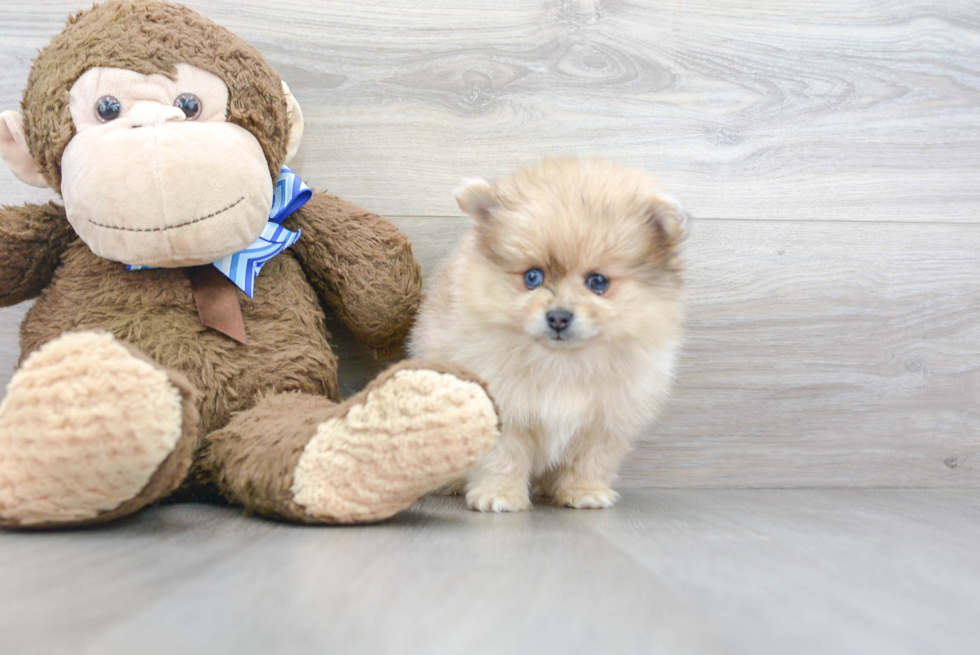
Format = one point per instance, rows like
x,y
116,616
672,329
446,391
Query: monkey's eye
x,y
108,108
533,278
190,104
597,282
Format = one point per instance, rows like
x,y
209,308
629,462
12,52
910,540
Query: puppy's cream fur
x,y
570,401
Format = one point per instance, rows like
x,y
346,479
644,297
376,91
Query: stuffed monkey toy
x,y
156,353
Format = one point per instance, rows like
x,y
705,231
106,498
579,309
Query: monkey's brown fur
x,y
348,259
149,37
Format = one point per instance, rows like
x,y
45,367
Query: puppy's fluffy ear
x,y
668,217
477,198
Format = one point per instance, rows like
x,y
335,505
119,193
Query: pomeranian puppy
x,y
566,298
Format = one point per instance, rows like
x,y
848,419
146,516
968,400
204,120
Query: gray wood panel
x,y
814,110
666,571
826,353
833,327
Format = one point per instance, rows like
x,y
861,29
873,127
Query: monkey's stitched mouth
x,y
169,227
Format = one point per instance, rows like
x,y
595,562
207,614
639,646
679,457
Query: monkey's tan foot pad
x,y
85,426
414,432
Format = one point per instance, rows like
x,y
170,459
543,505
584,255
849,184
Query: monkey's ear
x,y
295,123
478,198
13,149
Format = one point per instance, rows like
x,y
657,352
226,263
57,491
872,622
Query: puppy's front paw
x,y
498,500
592,498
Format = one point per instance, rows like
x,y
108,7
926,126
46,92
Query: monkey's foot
x,y
415,429
91,430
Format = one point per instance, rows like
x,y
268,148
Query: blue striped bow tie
x,y
243,267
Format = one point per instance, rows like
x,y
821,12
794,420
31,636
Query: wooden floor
x,y
867,572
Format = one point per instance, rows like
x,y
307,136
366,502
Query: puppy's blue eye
x,y
534,278
597,282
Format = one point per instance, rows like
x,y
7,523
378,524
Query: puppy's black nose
x,y
559,319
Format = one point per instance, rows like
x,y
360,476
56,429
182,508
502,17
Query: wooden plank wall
x,y
830,151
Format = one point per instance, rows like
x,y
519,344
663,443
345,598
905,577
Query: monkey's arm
x,y
32,239
362,266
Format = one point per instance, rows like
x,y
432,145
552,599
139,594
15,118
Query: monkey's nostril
x,y
559,319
